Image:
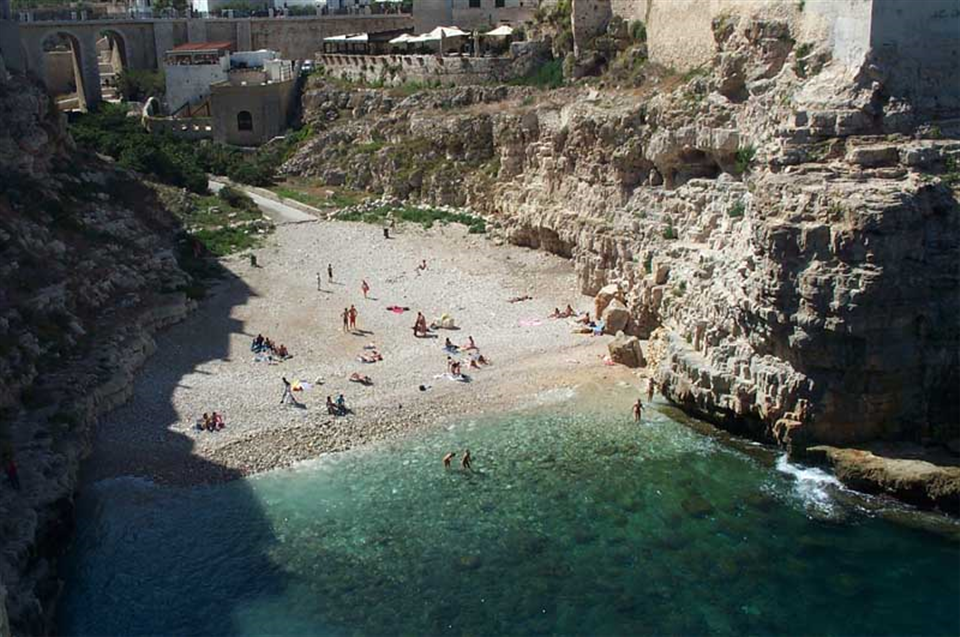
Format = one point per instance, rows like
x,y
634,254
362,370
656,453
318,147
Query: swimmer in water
x,y
447,458
465,460
637,410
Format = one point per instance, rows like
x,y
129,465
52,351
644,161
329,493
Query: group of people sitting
x,y
261,345
454,366
211,422
338,407
566,313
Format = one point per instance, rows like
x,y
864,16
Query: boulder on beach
x,y
606,294
626,351
615,317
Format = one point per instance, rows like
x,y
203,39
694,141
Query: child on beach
x,y
365,287
353,318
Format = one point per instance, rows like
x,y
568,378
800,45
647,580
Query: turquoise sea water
x,y
573,523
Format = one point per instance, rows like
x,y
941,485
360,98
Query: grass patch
x,y
425,217
327,199
224,241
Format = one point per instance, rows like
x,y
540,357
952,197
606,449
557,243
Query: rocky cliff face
x,y
87,272
787,235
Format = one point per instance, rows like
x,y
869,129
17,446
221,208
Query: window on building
x,y
474,4
244,120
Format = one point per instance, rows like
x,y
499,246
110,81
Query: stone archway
x,y
112,59
62,64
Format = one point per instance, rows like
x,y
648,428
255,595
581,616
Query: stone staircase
x,y
108,79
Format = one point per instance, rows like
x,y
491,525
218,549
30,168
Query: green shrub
x,y
669,233
136,85
648,263
736,210
236,198
638,32
800,65
744,158
547,76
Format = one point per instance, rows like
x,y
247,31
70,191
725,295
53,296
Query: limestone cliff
x,y
785,230
88,271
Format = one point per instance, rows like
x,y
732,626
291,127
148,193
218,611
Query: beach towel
x,y
396,309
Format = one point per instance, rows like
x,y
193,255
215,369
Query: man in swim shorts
x,y
447,458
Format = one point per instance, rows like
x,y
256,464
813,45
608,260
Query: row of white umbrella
x,y
441,33
437,35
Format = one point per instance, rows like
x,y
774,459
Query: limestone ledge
x,y
916,481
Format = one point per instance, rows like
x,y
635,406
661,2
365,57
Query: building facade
x,y
470,14
190,69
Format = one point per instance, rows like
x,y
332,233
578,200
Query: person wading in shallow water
x,y
637,410
465,461
447,458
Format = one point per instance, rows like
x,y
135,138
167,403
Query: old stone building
x,y
254,105
470,14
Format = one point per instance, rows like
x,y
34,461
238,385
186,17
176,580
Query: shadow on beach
x,y
156,542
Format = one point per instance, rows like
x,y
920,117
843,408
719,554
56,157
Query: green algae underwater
x,y
575,521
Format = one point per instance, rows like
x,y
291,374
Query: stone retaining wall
x,y
397,69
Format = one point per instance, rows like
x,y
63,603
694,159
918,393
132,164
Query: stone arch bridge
x,y
142,43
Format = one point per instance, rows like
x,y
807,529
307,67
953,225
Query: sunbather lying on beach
x,y
363,379
372,357
470,344
449,345
518,299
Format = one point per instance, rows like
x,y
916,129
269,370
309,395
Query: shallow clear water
x,y
571,524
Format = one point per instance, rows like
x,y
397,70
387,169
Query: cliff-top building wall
x,y
906,34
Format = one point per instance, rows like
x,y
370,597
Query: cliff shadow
x,y
167,542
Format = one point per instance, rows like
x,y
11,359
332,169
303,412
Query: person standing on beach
x,y
286,391
353,318
637,410
651,387
346,320
330,272
365,287
465,461
319,287
447,458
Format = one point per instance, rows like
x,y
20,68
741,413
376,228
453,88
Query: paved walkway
x,y
280,213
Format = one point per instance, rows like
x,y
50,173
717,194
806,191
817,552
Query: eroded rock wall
x,y
88,271
784,229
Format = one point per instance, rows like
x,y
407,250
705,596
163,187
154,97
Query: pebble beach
x,y
205,363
